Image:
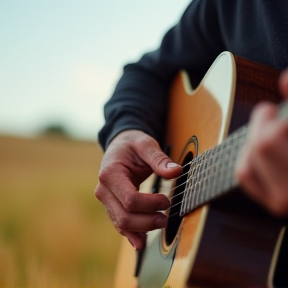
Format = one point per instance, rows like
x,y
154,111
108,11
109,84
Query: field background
x,y
53,232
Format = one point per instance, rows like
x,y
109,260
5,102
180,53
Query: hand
x,y
130,158
263,166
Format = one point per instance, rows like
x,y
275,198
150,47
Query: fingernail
x,y
171,165
161,222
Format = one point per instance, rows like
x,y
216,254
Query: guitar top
x,y
216,236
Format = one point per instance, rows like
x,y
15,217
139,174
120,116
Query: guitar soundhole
x,y
174,219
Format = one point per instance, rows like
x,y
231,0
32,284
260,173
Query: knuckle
x,y
264,109
104,175
261,107
264,147
121,232
157,158
130,201
243,173
121,224
279,209
280,130
268,143
279,205
99,193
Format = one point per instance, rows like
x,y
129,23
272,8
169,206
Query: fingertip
x,y
171,170
263,112
138,241
131,242
161,221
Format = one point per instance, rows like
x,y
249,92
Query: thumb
x,y
283,84
160,163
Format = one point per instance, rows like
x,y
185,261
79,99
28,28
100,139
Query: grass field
x,y
53,233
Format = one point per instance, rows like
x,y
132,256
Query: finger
x,y
271,161
121,186
135,222
248,177
263,167
136,239
161,164
125,221
246,171
261,114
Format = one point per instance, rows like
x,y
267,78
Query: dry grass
x,y
53,233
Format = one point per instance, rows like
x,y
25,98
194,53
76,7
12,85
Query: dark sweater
x,y
253,29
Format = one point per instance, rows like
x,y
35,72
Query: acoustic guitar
x,y
216,236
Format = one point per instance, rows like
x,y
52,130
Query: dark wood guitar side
x,y
216,236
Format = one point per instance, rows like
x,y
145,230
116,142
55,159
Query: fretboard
x,y
212,173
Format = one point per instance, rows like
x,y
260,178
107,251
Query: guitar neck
x,y
212,173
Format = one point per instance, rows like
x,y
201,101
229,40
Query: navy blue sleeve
x,y
255,30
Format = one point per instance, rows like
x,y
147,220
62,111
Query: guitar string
x,y
176,203
221,146
182,192
174,214
175,179
180,202
192,161
174,196
185,190
177,185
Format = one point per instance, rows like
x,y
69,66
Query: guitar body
x,y
231,242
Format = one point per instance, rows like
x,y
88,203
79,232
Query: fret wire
x,y
174,196
208,180
187,164
233,183
187,196
194,161
212,166
222,180
182,174
185,190
192,186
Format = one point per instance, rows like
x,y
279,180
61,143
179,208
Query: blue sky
x,y
59,60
